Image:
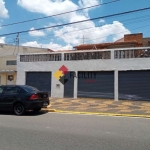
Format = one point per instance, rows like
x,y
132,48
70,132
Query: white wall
x,y
83,65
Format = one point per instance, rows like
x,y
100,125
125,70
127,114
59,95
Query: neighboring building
x,y
8,63
129,40
107,45
146,41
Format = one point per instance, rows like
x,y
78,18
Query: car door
x,y
9,96
1,91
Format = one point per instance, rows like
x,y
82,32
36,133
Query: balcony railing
x,y
135,53
124,53
40,57
87,56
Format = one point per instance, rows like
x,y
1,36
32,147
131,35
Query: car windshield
x,y
30,89
1,90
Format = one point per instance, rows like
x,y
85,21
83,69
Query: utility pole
x,y
18,40
84,39
17,44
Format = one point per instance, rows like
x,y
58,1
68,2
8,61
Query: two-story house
x,y
8,63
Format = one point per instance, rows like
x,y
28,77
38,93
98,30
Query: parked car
x,y
19,98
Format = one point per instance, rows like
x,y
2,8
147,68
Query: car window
x,y
30,89
11,90
1,90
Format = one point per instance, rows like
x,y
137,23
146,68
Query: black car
x,y
19,98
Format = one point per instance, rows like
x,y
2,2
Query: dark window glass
x,y
30,89
11,90
1,90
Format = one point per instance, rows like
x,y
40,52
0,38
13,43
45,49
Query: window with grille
x,y
11,62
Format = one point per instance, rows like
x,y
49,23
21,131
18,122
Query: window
x,y
1,90
30,89
11,90
11,62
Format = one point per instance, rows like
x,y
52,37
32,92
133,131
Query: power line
x,y
10,42
127,20
107,16
96,27
14,48
6,50
50,35
139,19
114,34
57,14
58,47
117,33
109,35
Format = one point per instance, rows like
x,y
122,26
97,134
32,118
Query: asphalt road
x,y
53,131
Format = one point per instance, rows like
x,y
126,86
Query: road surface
x,y
54,131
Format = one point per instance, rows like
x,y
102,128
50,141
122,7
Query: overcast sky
x,y
97,31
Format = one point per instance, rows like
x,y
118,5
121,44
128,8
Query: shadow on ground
x,y
28,113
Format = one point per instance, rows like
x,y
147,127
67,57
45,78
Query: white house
x,y
111,73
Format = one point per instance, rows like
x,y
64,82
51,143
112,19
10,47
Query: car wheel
x,y
19,109
37,109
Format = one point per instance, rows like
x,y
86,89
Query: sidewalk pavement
x,y
100,106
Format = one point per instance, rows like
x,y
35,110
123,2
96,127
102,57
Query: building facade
x,y
8,61
117,74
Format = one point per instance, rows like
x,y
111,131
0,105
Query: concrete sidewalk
x,y
101,106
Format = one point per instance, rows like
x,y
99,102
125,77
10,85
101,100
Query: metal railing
x,y
40,57
134,53
87,55
122,53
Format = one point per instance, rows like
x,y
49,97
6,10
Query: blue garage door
x,y
134,85
40,80
96,84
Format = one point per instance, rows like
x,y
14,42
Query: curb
x,y
96,113
49,110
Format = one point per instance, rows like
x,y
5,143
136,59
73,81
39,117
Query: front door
x,y
69,85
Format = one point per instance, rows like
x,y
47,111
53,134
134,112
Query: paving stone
x,y
101,105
